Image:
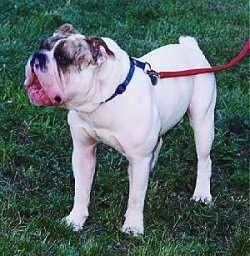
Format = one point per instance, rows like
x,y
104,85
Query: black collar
x,y
121,88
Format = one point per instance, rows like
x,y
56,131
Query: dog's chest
x,y
107,137
100,133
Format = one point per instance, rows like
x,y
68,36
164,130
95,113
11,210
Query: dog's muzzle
x,y
38,93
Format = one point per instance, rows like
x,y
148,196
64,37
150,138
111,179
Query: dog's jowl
x,y
82,74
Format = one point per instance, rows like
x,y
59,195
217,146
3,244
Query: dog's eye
x,y
62,60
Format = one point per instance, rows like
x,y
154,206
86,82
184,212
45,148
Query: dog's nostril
x,y
58,99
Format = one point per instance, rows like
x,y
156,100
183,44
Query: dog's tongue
x,y
38,96
36,93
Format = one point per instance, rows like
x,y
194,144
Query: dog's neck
x,y
105,80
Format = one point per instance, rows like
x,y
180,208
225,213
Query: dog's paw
x,y
76,222
205,198
133,226
132,230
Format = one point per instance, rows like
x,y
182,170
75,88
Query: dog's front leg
x,y
138,171
83,163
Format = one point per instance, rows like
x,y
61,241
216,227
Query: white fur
x,y
133,122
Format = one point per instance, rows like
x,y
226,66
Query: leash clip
x,y
153,75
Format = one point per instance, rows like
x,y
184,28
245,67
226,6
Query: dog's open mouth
x,y
36,92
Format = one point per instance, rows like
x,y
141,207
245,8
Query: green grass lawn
x,y
36,182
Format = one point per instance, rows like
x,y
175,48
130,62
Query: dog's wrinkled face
x,y
63,67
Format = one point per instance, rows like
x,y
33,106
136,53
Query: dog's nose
x,y
58,99
39,60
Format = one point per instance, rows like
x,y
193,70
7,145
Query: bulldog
x,y
85,75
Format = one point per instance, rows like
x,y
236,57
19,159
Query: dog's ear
x,y
65,30
99,50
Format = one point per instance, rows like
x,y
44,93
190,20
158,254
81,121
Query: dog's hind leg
x,y
201,114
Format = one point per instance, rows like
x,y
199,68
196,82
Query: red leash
x,y
191,72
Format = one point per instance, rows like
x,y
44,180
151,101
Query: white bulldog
x,y
82,74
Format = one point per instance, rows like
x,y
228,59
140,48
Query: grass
x,y
36,183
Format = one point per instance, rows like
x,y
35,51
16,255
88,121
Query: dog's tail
x,y
189,41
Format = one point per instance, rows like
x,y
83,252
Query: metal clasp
x,y
153,76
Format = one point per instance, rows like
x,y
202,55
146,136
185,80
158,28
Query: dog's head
x,y
63,67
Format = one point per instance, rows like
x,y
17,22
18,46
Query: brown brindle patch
x,y
62,55
72,52
79,52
